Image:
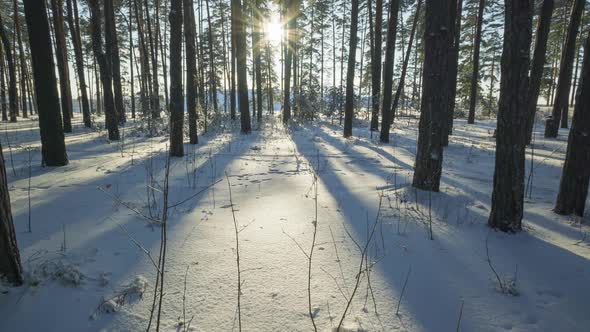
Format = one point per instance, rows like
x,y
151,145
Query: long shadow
x,y
441,273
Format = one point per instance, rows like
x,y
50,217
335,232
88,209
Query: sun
x,y
273,29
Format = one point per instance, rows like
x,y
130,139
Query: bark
x,y
112,56
212,76
453,71
3,85
438,43
106,76
508,188
22,63
475,73
233,33
241,54
573,187
53,148
12,98
538,65
565,71
155,102
146,87
61,54
290,24
349,102
176,99
77,43
376,65
257,47
131,60
10,266
402,79
191,70
388,71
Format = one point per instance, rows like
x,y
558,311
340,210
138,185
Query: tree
x,y
438,43
475,72
191,69
292,10
402,79
239,22
22,63
74,25
2,85
349,102
61,54
10,266
508,188
539,56
388,71
176,98
53,148
453,71
106,75
112,57
573,187
564,80
12,99
257,54
376,65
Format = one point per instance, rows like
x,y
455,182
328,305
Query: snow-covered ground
x,y
88,241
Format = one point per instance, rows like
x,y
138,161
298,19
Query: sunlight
x,y
273,30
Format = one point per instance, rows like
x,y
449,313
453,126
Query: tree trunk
x,y
349,102
191,70
176,99
573,187
3,85
112,56
377,38
241,54
538,65
212,77
233,33
388,71
438,44
10,266
564,79
104,67
256,45
23,65
61,54
453,71
155,104
475,73
508,192
12,98
53,147
402,79
77,43
290,17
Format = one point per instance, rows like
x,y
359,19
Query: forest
x,y
294,165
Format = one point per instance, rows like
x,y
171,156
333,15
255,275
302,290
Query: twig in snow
x,y
399,302
460,315
233,212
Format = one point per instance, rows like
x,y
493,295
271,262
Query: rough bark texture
x,y
77,42
388,71
3,85
508,189
257,53
23,65
191,69
475,73
376,65
112,55
453,70
538,65
349,101
106,76
241,67
12,99
61,54
566,65
10,267
176,100
53,147
573,188
438,43
289,16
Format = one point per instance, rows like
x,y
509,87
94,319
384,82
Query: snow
x,y
85,247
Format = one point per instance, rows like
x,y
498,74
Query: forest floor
x,y
431,254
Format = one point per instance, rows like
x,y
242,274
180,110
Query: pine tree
x,y
508,188
10,266
61,54
12,98
53,148
475,72
176,100
349,104
388,71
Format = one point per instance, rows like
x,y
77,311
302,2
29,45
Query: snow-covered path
x,y
273,195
